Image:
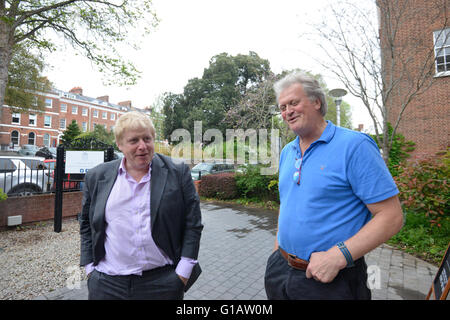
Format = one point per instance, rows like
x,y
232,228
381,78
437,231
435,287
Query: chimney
x,y
125,103
77,90
104,98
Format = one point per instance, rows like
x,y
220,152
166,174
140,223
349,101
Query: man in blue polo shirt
x,y
338,202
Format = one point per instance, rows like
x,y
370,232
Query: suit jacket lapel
x,y
104,186
157,184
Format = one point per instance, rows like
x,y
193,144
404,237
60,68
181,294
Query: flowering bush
x,y
424,187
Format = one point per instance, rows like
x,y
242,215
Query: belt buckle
x,y
291,256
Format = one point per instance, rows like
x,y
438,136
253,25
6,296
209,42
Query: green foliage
x,y
24,78
251,183
3,195
208,99
422,239
399,152
424,187
94,28
99,134
221,186
71,132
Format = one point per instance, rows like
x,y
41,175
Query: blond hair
x,y
131,121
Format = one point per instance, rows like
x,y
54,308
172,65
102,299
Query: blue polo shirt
x,y
341,172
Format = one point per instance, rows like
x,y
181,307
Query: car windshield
x,y
202,166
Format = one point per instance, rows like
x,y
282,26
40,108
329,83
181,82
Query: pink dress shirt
x,y
129,246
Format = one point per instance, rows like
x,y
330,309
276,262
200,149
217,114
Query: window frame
x,y
442,48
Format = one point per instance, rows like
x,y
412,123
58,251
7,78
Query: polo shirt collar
x,y
326,136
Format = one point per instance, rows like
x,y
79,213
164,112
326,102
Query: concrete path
x,y
236,243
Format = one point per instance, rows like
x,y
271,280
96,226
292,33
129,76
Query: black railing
x,y
24,177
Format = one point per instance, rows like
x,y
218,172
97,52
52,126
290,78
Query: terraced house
x,y
45,128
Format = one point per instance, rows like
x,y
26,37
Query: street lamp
x,y
273,111
337,94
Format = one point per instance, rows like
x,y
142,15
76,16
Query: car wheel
x,y
22,191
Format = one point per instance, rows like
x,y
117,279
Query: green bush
x,y
424,187
423,239
3,195
252,184
399,152
221,186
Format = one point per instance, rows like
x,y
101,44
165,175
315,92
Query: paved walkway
x,y
236,243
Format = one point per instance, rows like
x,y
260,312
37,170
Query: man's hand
x,y
325,265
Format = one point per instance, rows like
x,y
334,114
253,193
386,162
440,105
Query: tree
x,y
223,84
257,107
94,27
372,61
24,79
71,132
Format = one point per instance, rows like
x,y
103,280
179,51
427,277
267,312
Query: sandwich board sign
x,y
440,286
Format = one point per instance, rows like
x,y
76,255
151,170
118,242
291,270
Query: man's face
x,y
297,110
138,147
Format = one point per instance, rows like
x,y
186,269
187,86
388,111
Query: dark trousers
x,y
283,282
157,284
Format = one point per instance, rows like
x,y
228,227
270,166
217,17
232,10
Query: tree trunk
x,y
6,44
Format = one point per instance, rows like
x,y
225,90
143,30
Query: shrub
x,y
252,184
221,186
424,187
3,195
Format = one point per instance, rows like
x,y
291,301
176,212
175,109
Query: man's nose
x,y
141,144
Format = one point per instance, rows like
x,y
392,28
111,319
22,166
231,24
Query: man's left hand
x,y
325,265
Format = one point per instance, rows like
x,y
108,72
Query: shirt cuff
x,y
185,266
89,268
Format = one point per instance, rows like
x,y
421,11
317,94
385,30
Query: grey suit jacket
x,y
174,210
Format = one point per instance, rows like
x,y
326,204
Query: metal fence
x,y
23,176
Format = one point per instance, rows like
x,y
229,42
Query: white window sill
x,y
442,74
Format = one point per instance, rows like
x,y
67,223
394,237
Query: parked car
x,y
24,175
67,184
28,150
47,153
206,168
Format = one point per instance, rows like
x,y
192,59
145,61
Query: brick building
x,y
421,55
45,128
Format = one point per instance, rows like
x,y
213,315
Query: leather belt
x,y
293,261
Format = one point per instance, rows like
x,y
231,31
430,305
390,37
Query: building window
x,y
84,126
15,137
104,115
46,140
62,123
31,137
48,103
84,112
63,107
32,119
95,113
442,50
74,110
15,118
48,121
113,116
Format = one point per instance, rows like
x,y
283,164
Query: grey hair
x,y
310,85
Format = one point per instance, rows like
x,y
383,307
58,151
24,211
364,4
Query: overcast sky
x,y
191,32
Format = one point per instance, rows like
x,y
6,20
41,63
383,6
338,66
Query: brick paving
x,y
236,243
